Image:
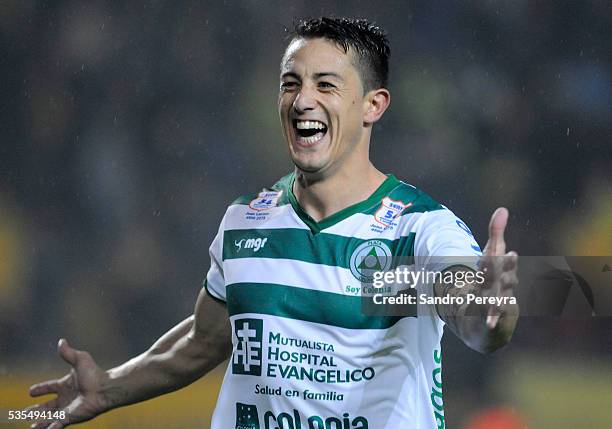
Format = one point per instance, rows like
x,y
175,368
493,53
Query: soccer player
x,y
282,296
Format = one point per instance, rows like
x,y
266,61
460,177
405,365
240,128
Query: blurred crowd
x,y
129,126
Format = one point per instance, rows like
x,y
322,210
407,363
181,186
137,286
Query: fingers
x,y
66,352
42,424
52,424
496,244
492,319
45,388
46,406
495,314
509,281
505,281
45,424
53,386
510,261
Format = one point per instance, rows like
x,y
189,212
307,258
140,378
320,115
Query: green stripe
x,y
304,304
299,244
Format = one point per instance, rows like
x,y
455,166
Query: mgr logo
x,y
250,243
247,355
368,257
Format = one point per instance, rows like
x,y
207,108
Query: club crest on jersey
x,y
265,200
369,257
387,213
389,210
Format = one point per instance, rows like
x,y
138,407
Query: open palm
x,y
77,392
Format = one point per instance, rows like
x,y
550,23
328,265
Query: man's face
x,y
321,104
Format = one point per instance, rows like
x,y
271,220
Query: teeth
x,y
309,125
312,139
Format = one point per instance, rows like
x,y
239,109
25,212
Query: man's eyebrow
x,y
328,74
316,75
290,74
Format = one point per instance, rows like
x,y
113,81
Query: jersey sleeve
x,y
443,240
214,283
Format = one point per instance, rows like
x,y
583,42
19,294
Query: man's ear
x,y
375,104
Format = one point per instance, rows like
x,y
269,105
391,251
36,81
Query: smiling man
x,y
282,298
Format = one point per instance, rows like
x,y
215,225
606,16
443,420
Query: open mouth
x,y
309,132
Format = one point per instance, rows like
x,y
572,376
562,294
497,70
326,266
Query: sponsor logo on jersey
x,y
247,355
436,390
250,243
368,257
293,420
265,200
247,416
389,210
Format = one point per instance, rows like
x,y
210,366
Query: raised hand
x,y
500,267
77,392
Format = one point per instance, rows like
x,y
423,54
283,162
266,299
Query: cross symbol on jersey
x,y
247,354
249,350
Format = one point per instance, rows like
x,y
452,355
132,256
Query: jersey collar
x,y
315,227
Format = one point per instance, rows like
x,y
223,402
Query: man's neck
x,y
322,197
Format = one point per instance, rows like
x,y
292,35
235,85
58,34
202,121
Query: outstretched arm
x,y
181,356
485,328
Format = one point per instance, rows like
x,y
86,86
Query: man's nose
x,y
305,100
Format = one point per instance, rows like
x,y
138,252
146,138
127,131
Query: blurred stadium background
x,y
127,127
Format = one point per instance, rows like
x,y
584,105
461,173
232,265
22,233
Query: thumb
x,y
66,352
496,244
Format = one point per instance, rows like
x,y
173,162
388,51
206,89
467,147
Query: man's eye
x,y
288,85
326,85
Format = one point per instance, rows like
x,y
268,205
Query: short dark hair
x,y
369,42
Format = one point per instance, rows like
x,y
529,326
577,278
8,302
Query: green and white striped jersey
x,y
304,354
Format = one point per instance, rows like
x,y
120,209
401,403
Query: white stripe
x,y
215,282
359,225
349,338
214,294
274,218
290,272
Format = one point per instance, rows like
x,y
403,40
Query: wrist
x,y
110,394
